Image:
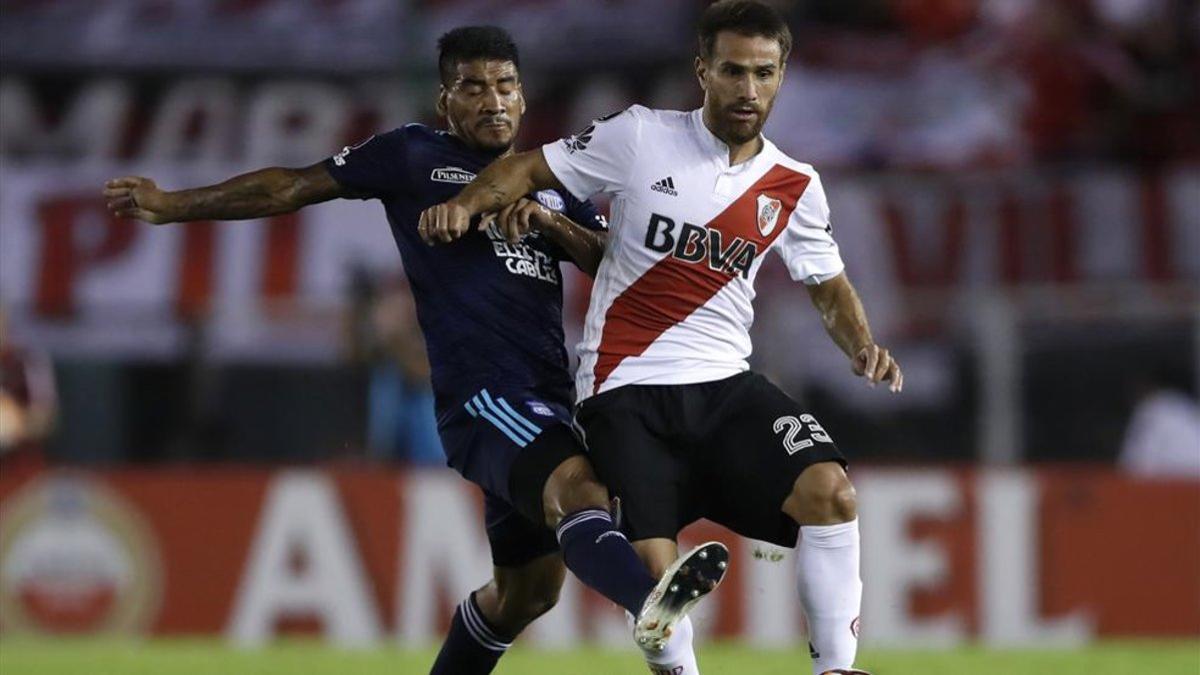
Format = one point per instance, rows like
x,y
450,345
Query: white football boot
x,y
691,577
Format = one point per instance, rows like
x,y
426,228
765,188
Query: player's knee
x,y
844,502
576,496
823,495
572,487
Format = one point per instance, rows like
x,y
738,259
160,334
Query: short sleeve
x,y
599,158
374,167
807,246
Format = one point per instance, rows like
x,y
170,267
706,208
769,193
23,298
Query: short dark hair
x,y
474,42
744,17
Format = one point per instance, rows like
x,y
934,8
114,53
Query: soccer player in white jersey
x,y
676,424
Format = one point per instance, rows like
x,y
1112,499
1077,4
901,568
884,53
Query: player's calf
x,y
827,564
575,504
517,596
489,619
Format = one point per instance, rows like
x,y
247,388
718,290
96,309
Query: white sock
x,y
677,658
830,591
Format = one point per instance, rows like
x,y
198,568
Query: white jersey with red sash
x,y
672,301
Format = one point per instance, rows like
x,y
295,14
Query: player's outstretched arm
x,y
265,192
503,182
846,322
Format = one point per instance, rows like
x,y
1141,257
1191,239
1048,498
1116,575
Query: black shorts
x,y
728,450
508,442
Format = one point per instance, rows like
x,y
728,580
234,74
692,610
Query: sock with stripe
x,y
601,557
473,645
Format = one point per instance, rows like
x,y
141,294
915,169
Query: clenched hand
x,y
443,223
138,197
521,217
877,365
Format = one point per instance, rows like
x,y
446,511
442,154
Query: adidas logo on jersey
x,y
665,186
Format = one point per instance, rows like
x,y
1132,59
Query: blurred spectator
x,y
935,111
872,83
1161,119
28,404
401,423
1076,75
1163,437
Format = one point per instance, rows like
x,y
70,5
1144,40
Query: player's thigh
x,y
509,443
637,464
763,441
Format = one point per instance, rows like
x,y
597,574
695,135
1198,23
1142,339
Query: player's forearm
x,y
586,247
265,192
505,181
842,314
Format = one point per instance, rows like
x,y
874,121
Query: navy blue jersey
x,y
491,311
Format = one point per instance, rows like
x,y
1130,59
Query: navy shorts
x,y
508,442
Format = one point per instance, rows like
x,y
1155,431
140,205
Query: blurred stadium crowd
x,y
1016,185
873,83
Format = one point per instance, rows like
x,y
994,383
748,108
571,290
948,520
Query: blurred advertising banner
x,y
81,281
360,556
91,283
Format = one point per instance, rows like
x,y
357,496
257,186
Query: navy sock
x,y
473,646
602,558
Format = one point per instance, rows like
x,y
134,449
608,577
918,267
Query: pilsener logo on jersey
x,y
451,174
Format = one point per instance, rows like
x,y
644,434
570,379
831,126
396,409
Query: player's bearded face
x,y
483,106
740,80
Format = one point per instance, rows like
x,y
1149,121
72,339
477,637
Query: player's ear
x,y
701,72
443,94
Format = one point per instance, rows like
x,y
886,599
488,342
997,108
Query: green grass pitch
x,y
201,657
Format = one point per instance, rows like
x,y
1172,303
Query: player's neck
x,y
744,152
738,152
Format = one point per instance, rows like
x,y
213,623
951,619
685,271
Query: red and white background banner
x,y
1023,557
81,281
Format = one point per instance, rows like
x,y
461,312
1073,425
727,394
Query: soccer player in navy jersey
x,y
490,307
